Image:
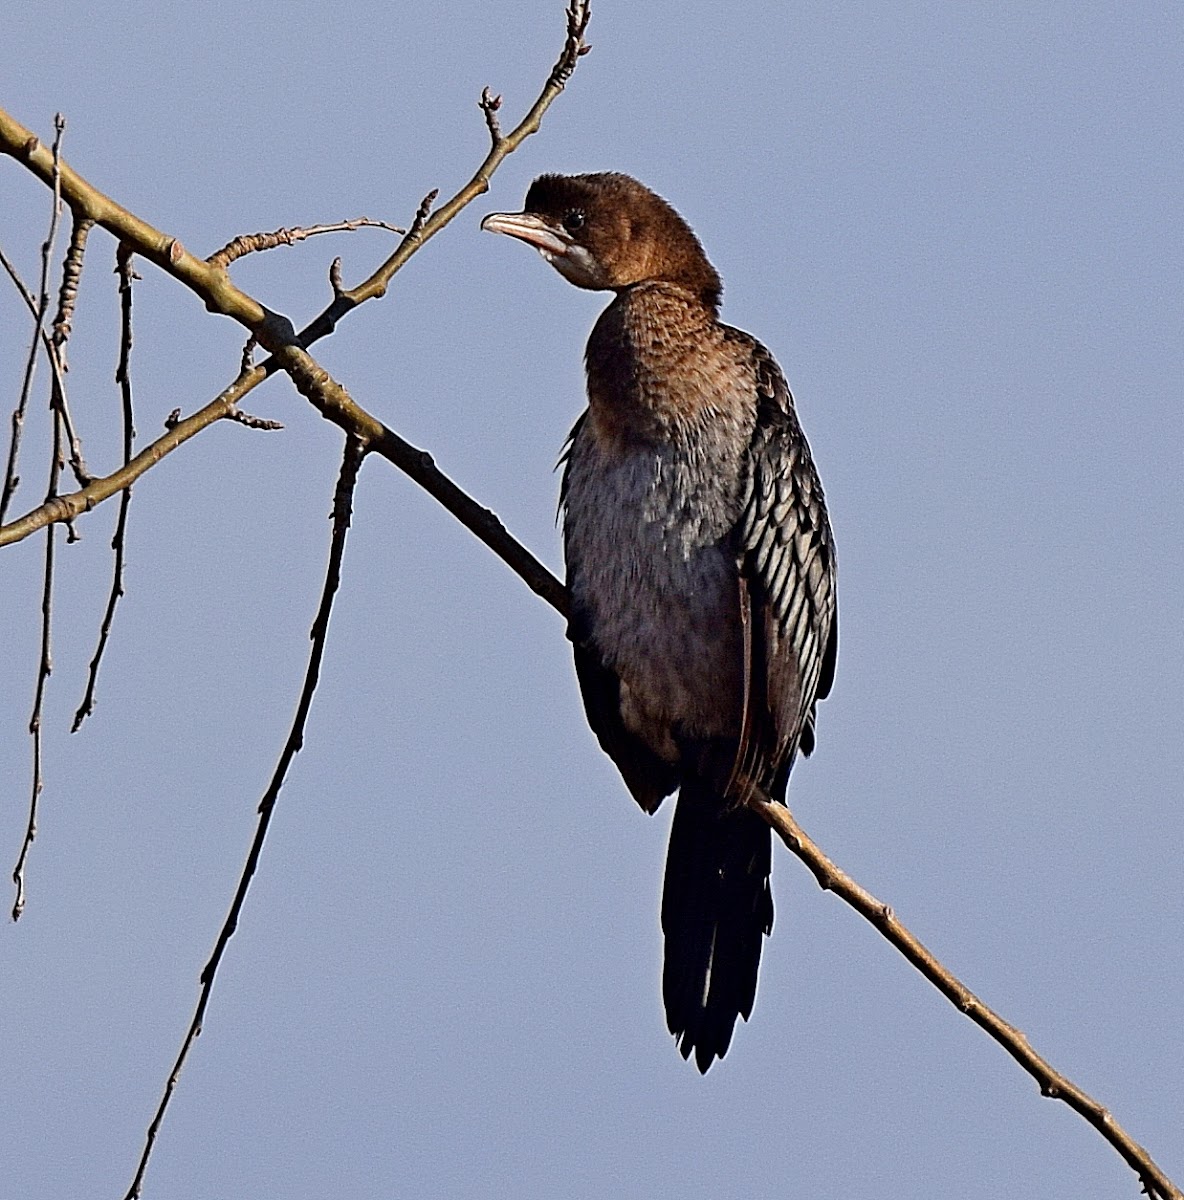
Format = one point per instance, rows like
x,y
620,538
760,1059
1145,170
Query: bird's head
x,y
608,232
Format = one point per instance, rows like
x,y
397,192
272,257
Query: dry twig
x,y
275,333
342,510
251,243
40,305
1052,1083
45,661
123,267
62,324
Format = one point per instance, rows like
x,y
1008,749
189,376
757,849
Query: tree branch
x,y
342,510
45,661
123,267
288,349
252,243
1052,1083
39,307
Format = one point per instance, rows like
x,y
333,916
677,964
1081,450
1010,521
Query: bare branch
x,y
179,431
45,661
273,331
253,242
1052,1083
123,260
56,346
342,511
39,308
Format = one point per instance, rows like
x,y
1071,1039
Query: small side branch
x,y
1052,1083
44,670
123,267
342,512
62,325
252,243
39,306
45,662
179,431
213,285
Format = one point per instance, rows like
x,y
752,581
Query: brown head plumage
x,y
609,232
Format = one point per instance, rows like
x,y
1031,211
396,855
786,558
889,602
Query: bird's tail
x,y
717,907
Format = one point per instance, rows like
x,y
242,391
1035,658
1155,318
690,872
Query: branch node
x,y
173,419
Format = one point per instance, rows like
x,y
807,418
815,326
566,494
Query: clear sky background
x,y
958,227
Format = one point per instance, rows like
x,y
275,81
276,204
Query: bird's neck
x,y
659,363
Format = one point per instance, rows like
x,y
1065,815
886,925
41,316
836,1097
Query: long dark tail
x,y
717,907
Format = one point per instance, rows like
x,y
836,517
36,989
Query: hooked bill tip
x,y
527,228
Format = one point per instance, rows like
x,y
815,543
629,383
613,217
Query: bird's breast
x,y
647,535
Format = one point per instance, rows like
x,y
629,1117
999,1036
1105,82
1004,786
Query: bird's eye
x,y
574,221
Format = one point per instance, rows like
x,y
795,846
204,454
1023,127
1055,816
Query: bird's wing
x,y
787,591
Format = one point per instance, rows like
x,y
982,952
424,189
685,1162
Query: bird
x,y
700,569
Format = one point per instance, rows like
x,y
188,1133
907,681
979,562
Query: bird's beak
x,y
554,243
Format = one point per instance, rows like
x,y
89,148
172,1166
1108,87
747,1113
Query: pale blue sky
x,y
958,228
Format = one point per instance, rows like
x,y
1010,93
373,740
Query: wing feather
x,y
785,551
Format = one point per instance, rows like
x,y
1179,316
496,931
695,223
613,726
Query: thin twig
x,y
45,661
40,308
44,670
54,345
123,267
179,431
11,478
418,464
62,324
1052,1083
342,509
251,243
220,295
